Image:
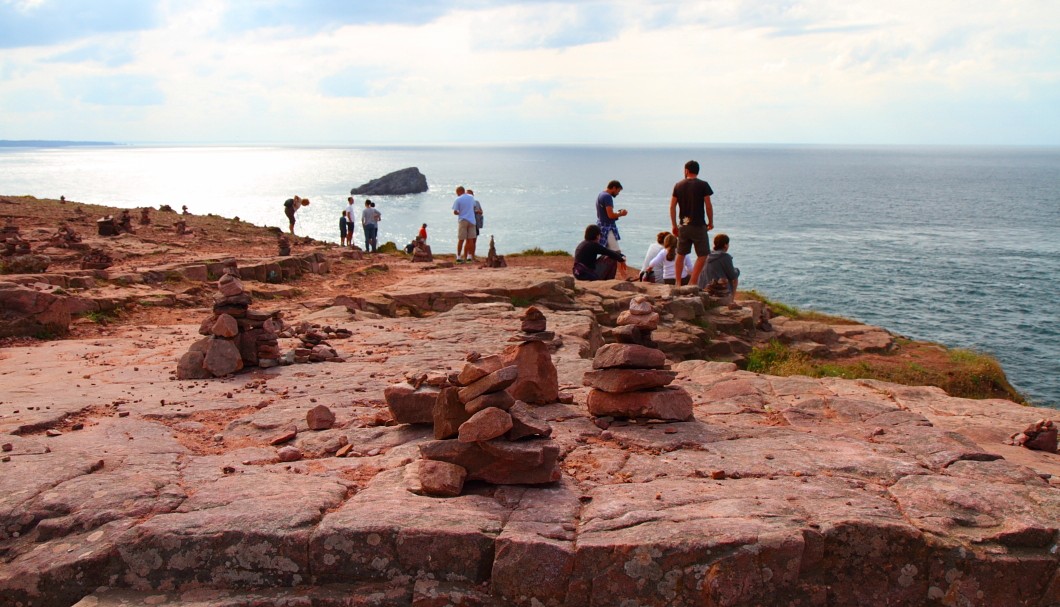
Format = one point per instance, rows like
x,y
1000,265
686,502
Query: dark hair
x,y
614,184
592,232
692,167
661,236
720,241
670,244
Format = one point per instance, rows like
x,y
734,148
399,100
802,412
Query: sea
x,y
956,245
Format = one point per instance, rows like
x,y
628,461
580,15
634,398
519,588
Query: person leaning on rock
x,y
594,261
291,206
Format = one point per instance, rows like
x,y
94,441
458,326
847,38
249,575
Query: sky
x,y
351,72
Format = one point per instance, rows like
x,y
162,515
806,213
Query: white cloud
x,y
719,71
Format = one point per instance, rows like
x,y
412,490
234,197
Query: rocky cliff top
x,y
123,484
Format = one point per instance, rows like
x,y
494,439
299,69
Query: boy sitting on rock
x,y
721,277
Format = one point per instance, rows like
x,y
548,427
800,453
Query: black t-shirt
x,y
588,252
690,194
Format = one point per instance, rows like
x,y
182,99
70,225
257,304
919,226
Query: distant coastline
x,y
41,143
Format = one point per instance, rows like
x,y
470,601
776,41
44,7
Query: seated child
x,y
664,263
720,278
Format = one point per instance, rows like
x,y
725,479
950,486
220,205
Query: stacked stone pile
x,y
125,222
145,216
538,381
484,434
96,259
236,336
64,238
11,241
421,252
283,245
631,378
107,226
1039,436
492,259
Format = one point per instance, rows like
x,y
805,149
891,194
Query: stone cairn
x,y
481,431
236,337
11,241
1040,436
538,381
180,226
631,378
492,259
283,245
96,259
64,238
421,251
315,347
145,216
125,222
107,226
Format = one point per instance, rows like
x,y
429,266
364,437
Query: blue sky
x,y
531,71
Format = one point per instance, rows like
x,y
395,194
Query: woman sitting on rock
x,y
594,261
665,266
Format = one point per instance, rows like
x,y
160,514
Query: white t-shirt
x,y
653,250
350,212
667,268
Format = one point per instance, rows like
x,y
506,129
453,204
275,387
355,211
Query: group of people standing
x,y
370,218
599,256
469,224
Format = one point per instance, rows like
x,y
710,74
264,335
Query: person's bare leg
x,y
697,268
679,268
471,248
459,248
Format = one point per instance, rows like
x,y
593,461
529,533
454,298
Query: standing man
x,y
350,222
606,218
466,232
692,196
370,223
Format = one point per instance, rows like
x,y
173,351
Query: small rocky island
x,y
398,183
198,421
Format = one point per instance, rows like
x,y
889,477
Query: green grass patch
x,y
539,252
523,302
388,247
103,317
780,309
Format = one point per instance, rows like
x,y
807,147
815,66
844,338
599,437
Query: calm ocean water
x,y
955,245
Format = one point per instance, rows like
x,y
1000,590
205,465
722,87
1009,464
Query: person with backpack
x,y
290,207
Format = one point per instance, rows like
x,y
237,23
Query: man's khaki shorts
x,y
466,230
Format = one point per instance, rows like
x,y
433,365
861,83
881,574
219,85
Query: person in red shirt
x,y
423,233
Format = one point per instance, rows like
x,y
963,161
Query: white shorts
x,y
612,243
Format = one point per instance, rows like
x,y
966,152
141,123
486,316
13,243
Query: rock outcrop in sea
x,y
398,183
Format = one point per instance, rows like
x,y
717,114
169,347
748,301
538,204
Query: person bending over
x,y
594,261
665,266
290,206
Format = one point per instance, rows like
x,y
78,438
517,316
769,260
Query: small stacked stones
x,y
12,241
236,336
631,379
538,381
1039,436
283,245
145,216
492,259
315,348
180,226
125,221
96,259
484,434
421,251
64,237
107,226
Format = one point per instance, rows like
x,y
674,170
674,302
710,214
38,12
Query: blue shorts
x,y
342,226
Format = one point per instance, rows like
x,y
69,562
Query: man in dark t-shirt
x,y
691,226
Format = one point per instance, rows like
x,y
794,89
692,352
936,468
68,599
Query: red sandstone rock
x,y
225,326
648,322
411,405
628,380
230,286
499,461
526,423
501,400
222,358
320,418
628,356
448,413
666,403
478,368
435,478
494,382
191,366
485,425
538,381
289,454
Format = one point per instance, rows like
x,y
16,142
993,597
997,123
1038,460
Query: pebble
x,y
289,454
53,433
7,447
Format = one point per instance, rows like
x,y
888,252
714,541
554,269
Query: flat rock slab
x,y
778,491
